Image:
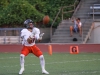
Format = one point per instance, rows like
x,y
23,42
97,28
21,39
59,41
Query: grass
x,y
57,64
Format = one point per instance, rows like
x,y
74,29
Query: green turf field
x,y
57,64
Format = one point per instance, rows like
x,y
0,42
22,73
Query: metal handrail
x,y
83,27
93,12
74,10
53,23
61,9
85,19
91,28
89,33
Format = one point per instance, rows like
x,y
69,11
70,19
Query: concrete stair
x,y
62,33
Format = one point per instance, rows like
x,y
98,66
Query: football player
x,y
29,34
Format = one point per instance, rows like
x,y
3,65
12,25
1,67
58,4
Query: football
x,y
46,19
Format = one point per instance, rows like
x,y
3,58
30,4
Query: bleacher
x,y
95,9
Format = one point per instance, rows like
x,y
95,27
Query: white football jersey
x,y
25,35
36,33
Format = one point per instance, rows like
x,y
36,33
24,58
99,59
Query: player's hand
x,y
41,35
31,38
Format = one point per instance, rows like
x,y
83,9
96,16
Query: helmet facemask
x,y
31,25
28,23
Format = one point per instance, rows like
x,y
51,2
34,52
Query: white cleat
x,y
21,71
45,72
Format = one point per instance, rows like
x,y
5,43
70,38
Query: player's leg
x,y
42,63
71,30
21,63
24,53
36,51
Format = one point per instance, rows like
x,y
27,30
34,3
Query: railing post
x,y
53,23
74,5
62,17
5,37
82,33
93,12
62,13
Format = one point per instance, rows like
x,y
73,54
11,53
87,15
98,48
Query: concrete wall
x,y
54,47
95,35
46,37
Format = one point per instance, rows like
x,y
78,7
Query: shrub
x,y
14,12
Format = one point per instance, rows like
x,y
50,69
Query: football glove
x,y
41,35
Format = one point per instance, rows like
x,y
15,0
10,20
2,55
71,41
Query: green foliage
x,y
3,3
14,12
17,11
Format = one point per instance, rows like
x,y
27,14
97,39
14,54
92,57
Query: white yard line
x,y
13,57
55,62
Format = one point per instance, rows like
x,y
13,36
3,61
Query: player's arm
x,y
38,36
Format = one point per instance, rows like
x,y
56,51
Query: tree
x,y
14,12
